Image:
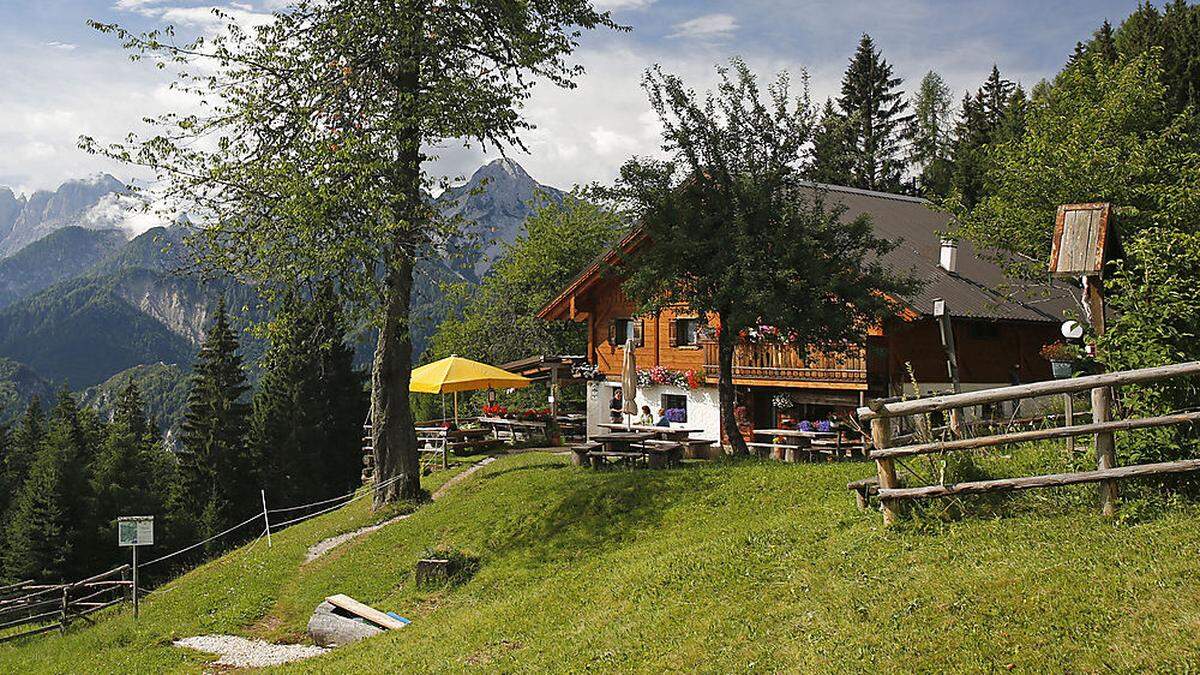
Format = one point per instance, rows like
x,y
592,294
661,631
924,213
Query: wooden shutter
x,y
673,332
639,332
612,333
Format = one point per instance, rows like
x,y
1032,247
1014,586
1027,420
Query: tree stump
x,y
433,572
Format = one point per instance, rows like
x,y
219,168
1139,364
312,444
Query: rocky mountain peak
x,y
25,220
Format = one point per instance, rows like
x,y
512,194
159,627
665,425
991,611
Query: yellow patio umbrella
x,y
454,374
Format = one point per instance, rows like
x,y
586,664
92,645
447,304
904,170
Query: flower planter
x,y
1062,370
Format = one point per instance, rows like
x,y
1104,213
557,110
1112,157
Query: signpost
x,y
1084,241
135,531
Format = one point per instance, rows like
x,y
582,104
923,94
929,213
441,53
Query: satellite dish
x,y
1072,329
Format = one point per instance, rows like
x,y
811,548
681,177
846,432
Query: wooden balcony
x,y
781,365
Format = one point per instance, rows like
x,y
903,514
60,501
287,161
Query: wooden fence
x,y
880,414
40,608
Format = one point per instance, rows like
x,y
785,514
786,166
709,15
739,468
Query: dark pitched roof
x,y
979,290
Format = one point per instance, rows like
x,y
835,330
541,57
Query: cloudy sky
x,y
62,79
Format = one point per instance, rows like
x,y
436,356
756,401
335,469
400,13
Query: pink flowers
x,y
658,375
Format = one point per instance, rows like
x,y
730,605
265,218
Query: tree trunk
x,y
726,342
395,439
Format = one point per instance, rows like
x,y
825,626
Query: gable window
x,y
622,329
685,332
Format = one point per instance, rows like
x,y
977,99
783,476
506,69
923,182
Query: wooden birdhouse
x,y
1083,240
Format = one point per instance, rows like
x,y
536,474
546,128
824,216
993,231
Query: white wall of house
x,y
702,407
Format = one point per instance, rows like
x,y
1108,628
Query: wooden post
x,y
946,329
554,391
1101,399
1068,420
134,587
881,436
62,621
266,524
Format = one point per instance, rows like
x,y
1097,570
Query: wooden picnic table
x,y
629,447
816,441
666,433
513,428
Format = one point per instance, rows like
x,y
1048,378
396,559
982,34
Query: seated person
x,y
646,417
662,419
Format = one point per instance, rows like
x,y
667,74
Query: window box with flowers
x,y
1062,357
684,379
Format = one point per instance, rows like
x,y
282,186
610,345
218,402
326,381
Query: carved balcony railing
x,y
783,363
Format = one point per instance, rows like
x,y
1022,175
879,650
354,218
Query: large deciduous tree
x,y
309,158
736,230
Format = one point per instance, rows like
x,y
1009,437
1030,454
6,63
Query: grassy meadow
x,y
714,567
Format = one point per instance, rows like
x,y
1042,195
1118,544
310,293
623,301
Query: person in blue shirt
x,y
662,419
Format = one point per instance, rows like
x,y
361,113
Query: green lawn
x,y
712,567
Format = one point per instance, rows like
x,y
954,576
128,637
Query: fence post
x,y
266,519
1069,420
62,621
881,437
1105,448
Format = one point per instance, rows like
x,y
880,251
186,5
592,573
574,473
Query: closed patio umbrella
x,y
454,374
629,382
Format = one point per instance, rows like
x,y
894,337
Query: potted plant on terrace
x,y
1062,358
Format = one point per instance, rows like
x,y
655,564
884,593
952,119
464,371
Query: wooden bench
x,y
863,489
661,454
600,457
579,453
699,449
790,453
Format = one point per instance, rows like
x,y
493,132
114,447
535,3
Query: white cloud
x,y
126,212
708,27
613,5
64,46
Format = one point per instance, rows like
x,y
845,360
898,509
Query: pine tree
x,y
132,472
830,157
874,107
309,407
996,92
25,442
1103,44
50,534
217,470
930,135
1176,31
37,539
5,490
994,114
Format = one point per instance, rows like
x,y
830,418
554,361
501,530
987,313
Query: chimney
x,y
949,256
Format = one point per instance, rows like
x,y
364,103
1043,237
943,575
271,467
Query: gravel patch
x,y
242,653
322,547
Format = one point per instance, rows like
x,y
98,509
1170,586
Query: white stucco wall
x,y
703,412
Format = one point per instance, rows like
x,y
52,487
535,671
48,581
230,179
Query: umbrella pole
x,y
456,408
443,407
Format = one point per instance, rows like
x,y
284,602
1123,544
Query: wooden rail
x,y
1035,435
879,414
781,362
47,607
877,409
